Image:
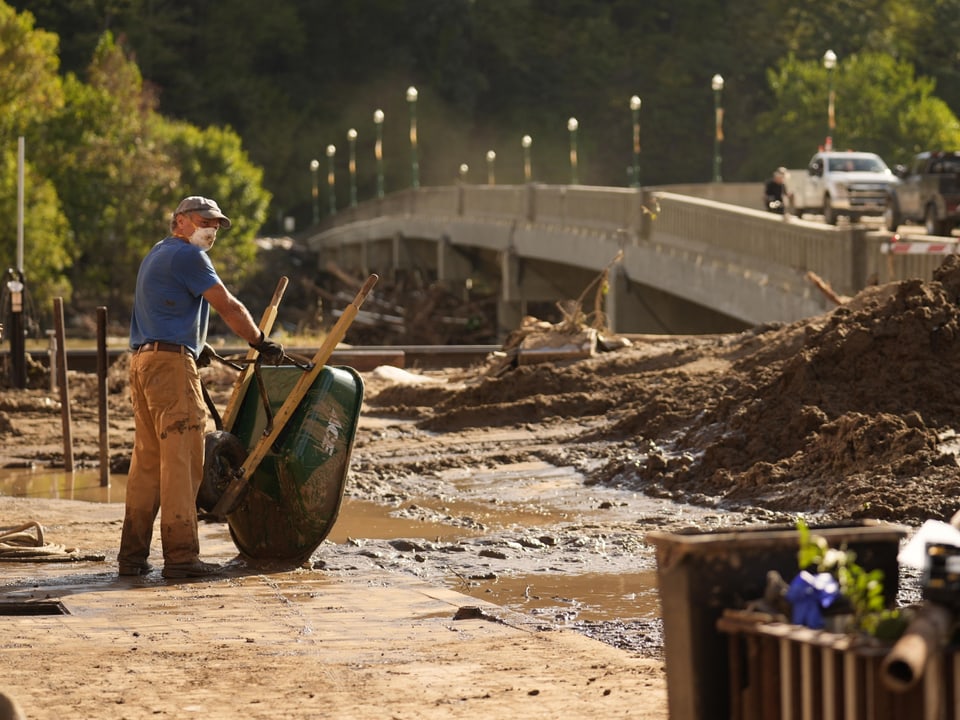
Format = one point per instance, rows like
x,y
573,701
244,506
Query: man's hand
x,y
206,355
270,351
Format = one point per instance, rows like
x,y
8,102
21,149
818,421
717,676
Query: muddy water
x,y
516,496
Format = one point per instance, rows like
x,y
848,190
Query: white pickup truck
x,y
853,184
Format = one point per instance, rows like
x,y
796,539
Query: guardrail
x,y
719,222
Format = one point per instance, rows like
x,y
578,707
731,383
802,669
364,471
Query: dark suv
x,y
928,193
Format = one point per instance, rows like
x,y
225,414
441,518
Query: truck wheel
x,y
891,215
933,225
829,214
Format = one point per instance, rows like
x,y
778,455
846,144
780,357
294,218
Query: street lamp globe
x,y
635,103
378,117
572,124
411,94
717,82
829,59
526,142
491,158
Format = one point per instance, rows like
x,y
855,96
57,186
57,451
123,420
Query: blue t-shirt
x,y
168,305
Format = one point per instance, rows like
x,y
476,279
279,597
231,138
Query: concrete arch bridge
x,y
695,258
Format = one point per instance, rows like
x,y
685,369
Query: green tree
x,y
214,164
30,90
30,87
881,106
112,177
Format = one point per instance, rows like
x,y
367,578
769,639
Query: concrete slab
x,y
290,643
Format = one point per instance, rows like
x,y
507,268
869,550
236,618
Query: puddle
x,y
370,520
468,505
587,597
59,485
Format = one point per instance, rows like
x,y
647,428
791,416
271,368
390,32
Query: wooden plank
x,y
292,402
243,379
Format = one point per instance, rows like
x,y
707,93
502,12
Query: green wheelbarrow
x,y
277,474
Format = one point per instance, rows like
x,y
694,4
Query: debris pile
x,y
849,414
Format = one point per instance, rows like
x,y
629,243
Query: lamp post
x,y
572,126
331,190
464,169
717,84
314,167
352,141
414,165
491,159
635,111
526,142
830,62
378,150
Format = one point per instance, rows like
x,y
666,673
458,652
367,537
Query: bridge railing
x,y
806,246
645,215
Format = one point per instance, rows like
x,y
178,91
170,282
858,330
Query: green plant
x,y
862,588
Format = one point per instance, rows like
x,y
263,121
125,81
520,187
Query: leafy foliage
x,y
862,588
106,169
143,78
881,106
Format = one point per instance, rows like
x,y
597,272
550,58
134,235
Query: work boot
x,y
194,569
134,568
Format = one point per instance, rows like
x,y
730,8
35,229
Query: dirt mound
x,y
848,414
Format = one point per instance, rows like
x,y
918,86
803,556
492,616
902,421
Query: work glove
x,y
271,352
207,353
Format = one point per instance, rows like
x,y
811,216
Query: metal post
x,y
414,163
830,62
65,417
717,84
352,140
16,288
314,167
378,150
526,142
635,110
572,126
102,405
331,187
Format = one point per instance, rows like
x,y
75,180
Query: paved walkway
x,y
286,644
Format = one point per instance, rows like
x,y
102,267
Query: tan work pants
x,y
167,463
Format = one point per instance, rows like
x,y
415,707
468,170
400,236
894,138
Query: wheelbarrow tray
x,y
295,492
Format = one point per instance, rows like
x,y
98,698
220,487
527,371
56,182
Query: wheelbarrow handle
x,y
230,497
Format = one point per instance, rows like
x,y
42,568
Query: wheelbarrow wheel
x,y
223,455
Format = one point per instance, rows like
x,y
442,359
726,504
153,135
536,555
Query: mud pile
x,y
849,414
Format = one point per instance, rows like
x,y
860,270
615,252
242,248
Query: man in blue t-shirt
x,y
176,286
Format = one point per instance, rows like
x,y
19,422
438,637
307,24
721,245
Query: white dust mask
x,y
204,237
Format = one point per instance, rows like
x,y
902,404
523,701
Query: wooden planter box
x,y
701,574
788,672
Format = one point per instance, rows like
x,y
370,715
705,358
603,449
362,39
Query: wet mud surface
x,y
529,474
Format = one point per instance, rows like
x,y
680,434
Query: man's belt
x,y
163,347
